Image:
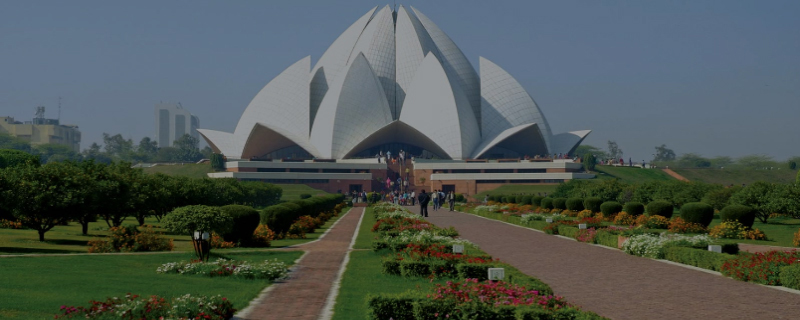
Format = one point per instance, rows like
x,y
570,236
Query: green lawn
x,y
779,231
738,176
293,191
68,239
631,174
364,276
188,170
35,287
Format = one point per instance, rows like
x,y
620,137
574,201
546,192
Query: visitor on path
x,y
413,197
389,155
364,196
435,196
423,203
451,198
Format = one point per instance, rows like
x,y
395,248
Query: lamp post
x,y
201,245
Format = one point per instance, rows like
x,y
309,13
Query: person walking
x,y
423,203
413,197
435,196
451,198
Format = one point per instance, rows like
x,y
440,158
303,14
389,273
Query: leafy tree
x,y
188,219
46,196
188,148
613,150
51,152
664,154
8,141
597,152
94,152
206,152
767,198
719,198
589,161
147,147
108,195
217,161
721,161
693,160
116,146
14,158
757,161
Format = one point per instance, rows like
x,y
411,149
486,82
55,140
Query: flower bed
x,y
763,268
154,307
652,246
269,269
131,239
735,230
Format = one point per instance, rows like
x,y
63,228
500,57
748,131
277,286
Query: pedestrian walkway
x,y
675,174
304,294
617,285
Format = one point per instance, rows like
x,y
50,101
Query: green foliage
x,y
574,204
14,158
560,203
593,204
52,152
394,306
217,162
519,199
305,196
547,203
660,208
743,214
664,154
719,198
527,200
790,276
693,160
697,212
245,222
278,217
767,198
589,161
609,208
8,141
697,257
634,208
510,199
188,219
536,200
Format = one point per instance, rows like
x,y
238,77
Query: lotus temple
x,y
395,81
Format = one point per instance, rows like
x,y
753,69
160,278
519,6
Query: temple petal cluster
x,y
393,78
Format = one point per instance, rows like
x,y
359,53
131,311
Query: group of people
x,y
387,158
438,197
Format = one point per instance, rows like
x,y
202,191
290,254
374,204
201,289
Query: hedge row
x,y
697,257
281,216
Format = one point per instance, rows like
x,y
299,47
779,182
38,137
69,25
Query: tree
x,y
14,158
217,162
614,152
8,141
597,152
51,152
793,162
664,154
768,198
589,161
117,146
188,148
191,219
719,198
93,152
46,196
721,161
757,161
693,160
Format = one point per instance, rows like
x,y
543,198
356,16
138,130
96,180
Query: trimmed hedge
x,y
547,203
575,204
609,208
743,214
607,239
281,216
568,231
660,208
527,200
537,200
560,203
790,276
592,203
305,196
518,199
634,208
245,221
697,212
697,257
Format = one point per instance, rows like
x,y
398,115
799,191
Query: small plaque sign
x,y
458,248
549,220
715,248
582,226
496,274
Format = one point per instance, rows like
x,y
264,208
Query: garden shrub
x,y
593,203
700,258
245,222
262,236
568,231
736,230
652,222
624,219
390,265
547,203
415,268
743,214
610,207
267,269
697,212
392,306
153,307
762,268
527,200
460,197
560,203
796,240
660,208
634,208
605,238
575,204
305,196
278,217
131,239
536,201
653,246
519,200
790,276
678,225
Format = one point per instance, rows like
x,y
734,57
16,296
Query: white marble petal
x,y
412,44
377,44
568,141
223,142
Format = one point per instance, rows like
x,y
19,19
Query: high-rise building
x,y
42,131
172,122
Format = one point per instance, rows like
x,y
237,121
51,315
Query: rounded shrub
x,y
537,200
592,203
519,198
245,221
547,203
697,212
575,204
278,218
660,208
634,208
305,196
743,214
526,200
609,208
560,203
511,199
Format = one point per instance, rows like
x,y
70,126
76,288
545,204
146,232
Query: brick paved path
x,y
618,285
304,294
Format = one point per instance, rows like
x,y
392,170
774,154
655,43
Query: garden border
x,y
330,303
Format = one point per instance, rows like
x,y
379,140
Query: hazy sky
x,y
710,77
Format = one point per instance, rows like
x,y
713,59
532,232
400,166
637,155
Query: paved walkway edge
x,y
781,288
246,311
327,311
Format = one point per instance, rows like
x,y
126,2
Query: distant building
x,y
172,122
41,131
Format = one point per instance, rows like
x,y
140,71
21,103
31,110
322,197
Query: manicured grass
x,y
69,239
364,276
631,174
293,191
738,176
518,189
35,287
188,170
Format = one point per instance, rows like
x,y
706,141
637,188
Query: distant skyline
x,y
717,78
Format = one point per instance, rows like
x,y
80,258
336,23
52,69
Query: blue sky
x,y
709,77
